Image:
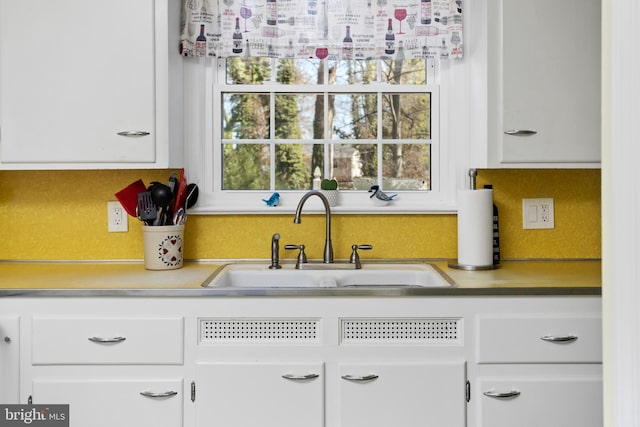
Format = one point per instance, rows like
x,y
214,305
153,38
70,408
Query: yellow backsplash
x,y
62,215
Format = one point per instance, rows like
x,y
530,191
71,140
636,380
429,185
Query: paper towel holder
x,y
455,264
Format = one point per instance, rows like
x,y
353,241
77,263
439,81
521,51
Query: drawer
x,y
539,338
114,401
549,401
105,341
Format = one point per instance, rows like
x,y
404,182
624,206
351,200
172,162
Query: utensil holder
x,y
163,247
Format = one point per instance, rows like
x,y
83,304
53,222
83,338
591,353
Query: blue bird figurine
x,y
379,196
273,200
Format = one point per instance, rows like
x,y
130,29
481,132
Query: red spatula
x,y
128,196
181,192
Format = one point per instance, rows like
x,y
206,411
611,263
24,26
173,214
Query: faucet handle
x,y
355,258
302,257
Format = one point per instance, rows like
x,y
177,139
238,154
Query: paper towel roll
x,y
475,227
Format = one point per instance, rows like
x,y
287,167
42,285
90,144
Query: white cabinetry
x,y
543,83
108,402
362,365
89,85
307,361
540,369
9,358
106,369
408,394
260,394
540,399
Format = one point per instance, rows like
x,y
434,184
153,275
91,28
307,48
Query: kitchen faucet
x,y
328,248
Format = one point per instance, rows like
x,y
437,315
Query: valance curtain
x,y
333,29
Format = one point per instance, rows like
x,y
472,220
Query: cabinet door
x,y
551,81
541,401
9,359
74,74
260,394
108,403
403,394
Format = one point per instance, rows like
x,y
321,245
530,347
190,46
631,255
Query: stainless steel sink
x,y
254,275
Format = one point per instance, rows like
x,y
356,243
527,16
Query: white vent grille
x,y
260,331
401,331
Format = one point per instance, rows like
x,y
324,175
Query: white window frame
x,y
205,164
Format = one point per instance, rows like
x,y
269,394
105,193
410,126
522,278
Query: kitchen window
x,y
284,125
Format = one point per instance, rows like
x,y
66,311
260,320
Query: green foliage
x,y
244,168
329,184
259,138
291,171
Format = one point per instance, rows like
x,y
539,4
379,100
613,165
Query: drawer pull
x,y
302,377
564,338
350,377
106,340
133,133
520,132
503,395
158,395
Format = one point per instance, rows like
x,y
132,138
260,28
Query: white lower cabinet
x,y
541,400
539,369
260,394
108,402
293,394
110,370
455,361
9,358
403,394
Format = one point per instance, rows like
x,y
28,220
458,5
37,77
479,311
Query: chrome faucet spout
x,y
328,247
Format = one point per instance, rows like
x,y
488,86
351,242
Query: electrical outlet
x,y
537,213
117,218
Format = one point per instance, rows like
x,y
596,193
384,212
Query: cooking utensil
x,y
162,196
181,193
128,197
147,210
172,183
192,195
179,217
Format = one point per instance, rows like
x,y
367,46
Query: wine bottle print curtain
x,y
334,29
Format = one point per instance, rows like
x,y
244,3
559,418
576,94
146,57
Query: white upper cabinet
x,y
543,76
89,84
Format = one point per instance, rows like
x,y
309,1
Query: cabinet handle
x,y
504,395
295,377
106,340
564,338
133,133
350,377
520,132
158,395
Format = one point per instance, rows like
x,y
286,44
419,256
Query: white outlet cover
x,y
117,218
538,213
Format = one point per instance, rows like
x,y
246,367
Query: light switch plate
x,y
537,213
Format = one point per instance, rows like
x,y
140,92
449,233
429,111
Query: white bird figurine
x,y
380,196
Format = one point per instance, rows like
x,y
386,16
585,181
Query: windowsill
x,y
358,203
